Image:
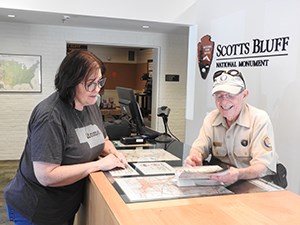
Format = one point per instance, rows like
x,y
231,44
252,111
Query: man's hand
x,y
230,177
194,158
234,174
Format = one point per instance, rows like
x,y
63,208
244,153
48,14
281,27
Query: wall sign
x,y
254,53
172,77
205,55
71,47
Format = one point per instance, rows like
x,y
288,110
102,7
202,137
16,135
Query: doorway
x,y
131,67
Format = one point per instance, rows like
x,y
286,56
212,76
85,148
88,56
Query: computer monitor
x,y
130,108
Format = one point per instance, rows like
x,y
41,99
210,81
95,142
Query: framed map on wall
x,y
20,73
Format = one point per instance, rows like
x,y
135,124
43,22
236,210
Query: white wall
x,y
50,43
274,88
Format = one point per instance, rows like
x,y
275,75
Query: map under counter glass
x,y
150,176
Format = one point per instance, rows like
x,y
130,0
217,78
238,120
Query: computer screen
x,y
131,108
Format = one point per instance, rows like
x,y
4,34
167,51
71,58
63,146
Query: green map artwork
x,y
20,73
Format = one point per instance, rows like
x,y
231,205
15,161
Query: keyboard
x,y
149,132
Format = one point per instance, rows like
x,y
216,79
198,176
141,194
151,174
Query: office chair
x,y
280,178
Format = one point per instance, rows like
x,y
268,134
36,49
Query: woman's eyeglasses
x,y
233,73
92,86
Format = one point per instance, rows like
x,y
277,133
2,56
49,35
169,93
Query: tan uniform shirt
x,y
250,140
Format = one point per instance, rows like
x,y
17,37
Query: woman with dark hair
x,y
66,142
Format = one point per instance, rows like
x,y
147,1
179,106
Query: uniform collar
x,y
242,120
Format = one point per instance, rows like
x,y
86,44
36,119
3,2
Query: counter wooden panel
x,y
104,206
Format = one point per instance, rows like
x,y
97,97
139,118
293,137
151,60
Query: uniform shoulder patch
x,y
266,143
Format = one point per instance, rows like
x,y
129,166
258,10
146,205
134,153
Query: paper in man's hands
x,y
198,175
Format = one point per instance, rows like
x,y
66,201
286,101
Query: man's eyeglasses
x,y
228,96
92,86
233,73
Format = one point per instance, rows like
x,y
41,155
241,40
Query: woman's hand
x,y
112,161
121,157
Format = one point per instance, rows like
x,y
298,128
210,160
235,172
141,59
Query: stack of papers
x,y
198,176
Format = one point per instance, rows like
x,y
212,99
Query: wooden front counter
x,y
104,206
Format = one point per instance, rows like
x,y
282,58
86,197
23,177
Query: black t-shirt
x,y
58,134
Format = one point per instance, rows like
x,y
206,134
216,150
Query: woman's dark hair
x,y
76,67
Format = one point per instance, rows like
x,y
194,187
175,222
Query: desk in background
x,y
111,113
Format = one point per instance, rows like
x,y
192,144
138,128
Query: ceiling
x,y
57,19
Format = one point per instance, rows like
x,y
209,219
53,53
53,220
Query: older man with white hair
x,y
236,133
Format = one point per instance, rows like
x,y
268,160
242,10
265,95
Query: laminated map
x,y
163,187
